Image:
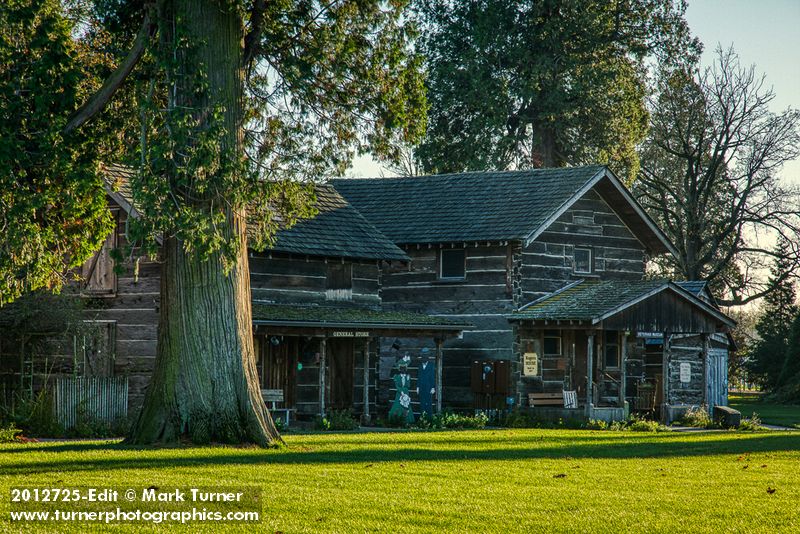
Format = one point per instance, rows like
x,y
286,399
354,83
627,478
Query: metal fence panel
x,y
96,398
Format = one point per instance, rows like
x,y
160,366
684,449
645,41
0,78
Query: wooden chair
x,y
272,397
645,398
545,399
570,399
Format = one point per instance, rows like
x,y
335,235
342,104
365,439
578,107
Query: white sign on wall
x,y
686,372
530,364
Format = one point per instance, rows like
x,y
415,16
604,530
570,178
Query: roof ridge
x,y
504,172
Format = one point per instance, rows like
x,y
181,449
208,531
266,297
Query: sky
x,y
765,33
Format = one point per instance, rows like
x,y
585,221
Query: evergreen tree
x,y
239,102
789,379
774,326
542,83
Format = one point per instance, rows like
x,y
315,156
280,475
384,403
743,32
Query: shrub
x,y
515,419
34,415
697,416
8,433
596,424
643,425
449,420
322,423
336,420
751,424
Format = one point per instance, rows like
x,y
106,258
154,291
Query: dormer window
x,y
582,263
452,264
339,281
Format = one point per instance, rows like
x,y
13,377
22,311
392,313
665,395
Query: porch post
x,y
322,365
438,375
589,368
665,377
622,376
706,346
365,416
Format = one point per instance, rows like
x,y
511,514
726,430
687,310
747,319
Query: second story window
x,y
452,264
339,281
582,261
99,277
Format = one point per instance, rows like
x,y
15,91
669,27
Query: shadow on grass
x,y
106,456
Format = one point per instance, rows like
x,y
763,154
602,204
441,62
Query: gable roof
x,y
596,300
491,205
338,230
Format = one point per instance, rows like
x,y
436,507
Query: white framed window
x,y
582,261
452,264
552,343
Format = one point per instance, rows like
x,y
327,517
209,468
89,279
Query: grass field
x,y
774,414
470,481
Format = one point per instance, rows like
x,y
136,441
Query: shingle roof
x,y
695,287
338,230
348,317
593,300
473,206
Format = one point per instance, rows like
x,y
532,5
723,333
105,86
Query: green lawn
x,y
774,414
470,481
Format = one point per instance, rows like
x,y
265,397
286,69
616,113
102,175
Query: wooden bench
x,y
271,398
546,399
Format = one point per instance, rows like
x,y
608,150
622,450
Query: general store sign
x,y
349,333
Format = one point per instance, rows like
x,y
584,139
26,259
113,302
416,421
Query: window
x,y
99,277
583,261
611,350
339,281
452,264
94,348
552,343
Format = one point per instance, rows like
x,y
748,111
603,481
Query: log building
x,y
484,290
502,250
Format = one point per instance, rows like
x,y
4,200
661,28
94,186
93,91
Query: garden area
x,y
521,480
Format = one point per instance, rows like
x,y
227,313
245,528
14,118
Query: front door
x,y
278,365
341,370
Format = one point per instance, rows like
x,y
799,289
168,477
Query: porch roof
x,y
349,318
644,305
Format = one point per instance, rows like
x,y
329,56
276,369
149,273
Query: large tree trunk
x,y
205,386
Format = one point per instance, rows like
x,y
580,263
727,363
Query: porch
x,y
621,346
328,358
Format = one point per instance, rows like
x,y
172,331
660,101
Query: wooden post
x,y
589,369
665,377
322,365
622,376
365,415
706,346
438,376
